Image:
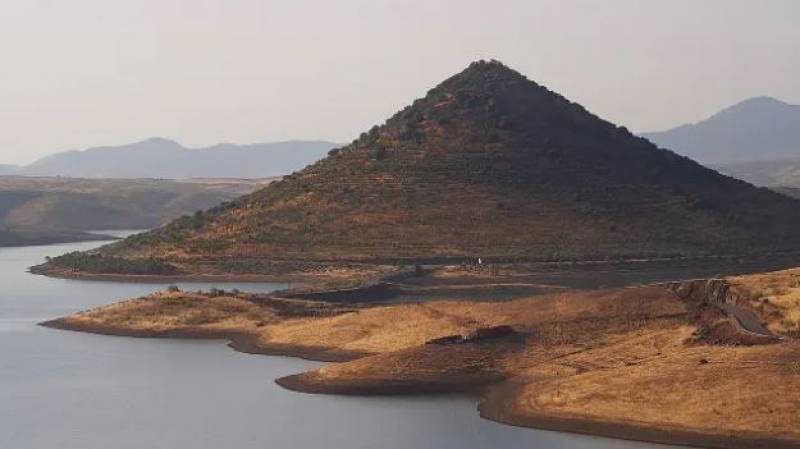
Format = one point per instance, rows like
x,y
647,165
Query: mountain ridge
x,y
159,157
756,129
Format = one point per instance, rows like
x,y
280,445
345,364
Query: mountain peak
x,y
756,106
483,75
490,66
490,102
159,141
487,164
763,100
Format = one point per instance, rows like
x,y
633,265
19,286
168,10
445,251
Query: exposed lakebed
x,y
62,389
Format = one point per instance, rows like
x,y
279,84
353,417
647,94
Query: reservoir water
x,y
69,390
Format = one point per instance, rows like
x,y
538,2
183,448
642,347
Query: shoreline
x,y
299,278
297,384
421,365
243,342
650,270
247,343
493,407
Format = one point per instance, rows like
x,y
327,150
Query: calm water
x,y
62,389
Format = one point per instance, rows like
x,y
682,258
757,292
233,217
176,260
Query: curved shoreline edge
x,y
43,270
493,407
494,396
239,341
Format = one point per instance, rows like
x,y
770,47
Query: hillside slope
x,y
163,158
793,192
783,172
487,164
757,129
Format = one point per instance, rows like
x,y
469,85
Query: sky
x,y
83,73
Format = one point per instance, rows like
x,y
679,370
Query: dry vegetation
x,y
720,396
775,297
217,312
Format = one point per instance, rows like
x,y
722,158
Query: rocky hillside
x,y
488,164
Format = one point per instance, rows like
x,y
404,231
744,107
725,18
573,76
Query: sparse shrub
x,y
208,245
173,288
201,316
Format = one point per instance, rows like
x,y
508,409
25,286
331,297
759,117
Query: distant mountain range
x,y
757,140
48,210
164,158
755,130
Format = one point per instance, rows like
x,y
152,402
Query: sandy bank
x,y
496,407
240,341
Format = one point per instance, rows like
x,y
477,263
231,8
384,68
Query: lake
x,y
69,390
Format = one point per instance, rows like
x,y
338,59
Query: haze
x,y
91,72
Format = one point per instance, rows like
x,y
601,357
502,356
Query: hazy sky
x,y
83,73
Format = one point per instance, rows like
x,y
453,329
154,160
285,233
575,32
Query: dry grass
x,y
551,317
776,297
171,311
740,389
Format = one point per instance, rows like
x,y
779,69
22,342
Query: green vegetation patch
x,y
98,263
